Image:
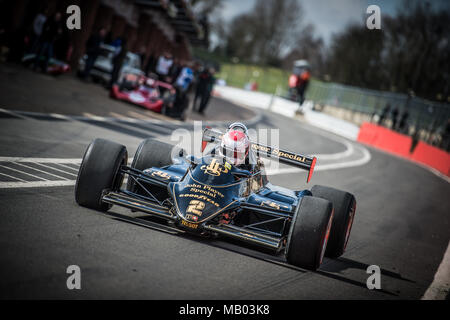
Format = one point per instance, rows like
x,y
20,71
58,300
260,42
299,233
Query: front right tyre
x,y
99,171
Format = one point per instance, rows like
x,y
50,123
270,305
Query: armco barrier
x,y
400,144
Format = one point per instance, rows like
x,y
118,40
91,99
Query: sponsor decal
x,y
191,217
161,174
200,197
214,168
273,204
189,224
195,207
278,153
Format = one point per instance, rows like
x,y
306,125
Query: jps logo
x,y
195,207
161,174
214,168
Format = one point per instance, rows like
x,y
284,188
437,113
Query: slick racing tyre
x,y
344,205
99,170
151,153
309,231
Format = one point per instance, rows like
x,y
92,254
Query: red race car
x,y
143,91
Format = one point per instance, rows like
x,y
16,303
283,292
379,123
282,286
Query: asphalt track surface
x,y
402,223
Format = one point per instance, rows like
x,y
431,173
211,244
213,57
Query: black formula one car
x,y
208,196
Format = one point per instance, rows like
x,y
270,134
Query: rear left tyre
x,y
99,171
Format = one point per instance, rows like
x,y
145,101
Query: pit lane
x,y
401,225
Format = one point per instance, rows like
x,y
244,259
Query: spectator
x,y
182,86
205,85
51,30
163,66
175,69
403,121
150,66
445,142
384,114
93,50
394,118
118,60
142,55
3,44
185,78
38,25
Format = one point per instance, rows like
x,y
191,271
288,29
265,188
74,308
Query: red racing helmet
x,y
235,144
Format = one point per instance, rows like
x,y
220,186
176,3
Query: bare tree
x,y
410,52
263,33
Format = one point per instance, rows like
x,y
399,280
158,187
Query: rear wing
x,y
286,157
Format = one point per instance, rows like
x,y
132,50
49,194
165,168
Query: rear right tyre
x,y
151,153
309,232
344,204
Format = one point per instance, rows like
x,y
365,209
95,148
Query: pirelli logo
x,y
278,153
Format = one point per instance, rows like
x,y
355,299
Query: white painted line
x,y
139,115
60,116
42,160
440,287
93,116
335,156
122,117
34,184
64,166
15,114
59,170
45,172
329,166
15,178
22,172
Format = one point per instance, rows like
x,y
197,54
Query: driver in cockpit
x,y
235,147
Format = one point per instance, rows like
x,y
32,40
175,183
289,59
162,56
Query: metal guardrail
x,y
426,119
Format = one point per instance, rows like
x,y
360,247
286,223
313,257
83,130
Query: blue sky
x,y
330,16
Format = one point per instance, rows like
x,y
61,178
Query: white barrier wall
x,y
287,108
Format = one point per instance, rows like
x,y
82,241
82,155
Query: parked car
x,y
103,66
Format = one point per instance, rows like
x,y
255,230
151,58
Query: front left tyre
x,y
99,171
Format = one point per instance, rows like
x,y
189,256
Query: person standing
x,y
182,86
51,30
163,67
402,126
394,118
93,51
384,114
206,89
38,25
202,82
118,60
